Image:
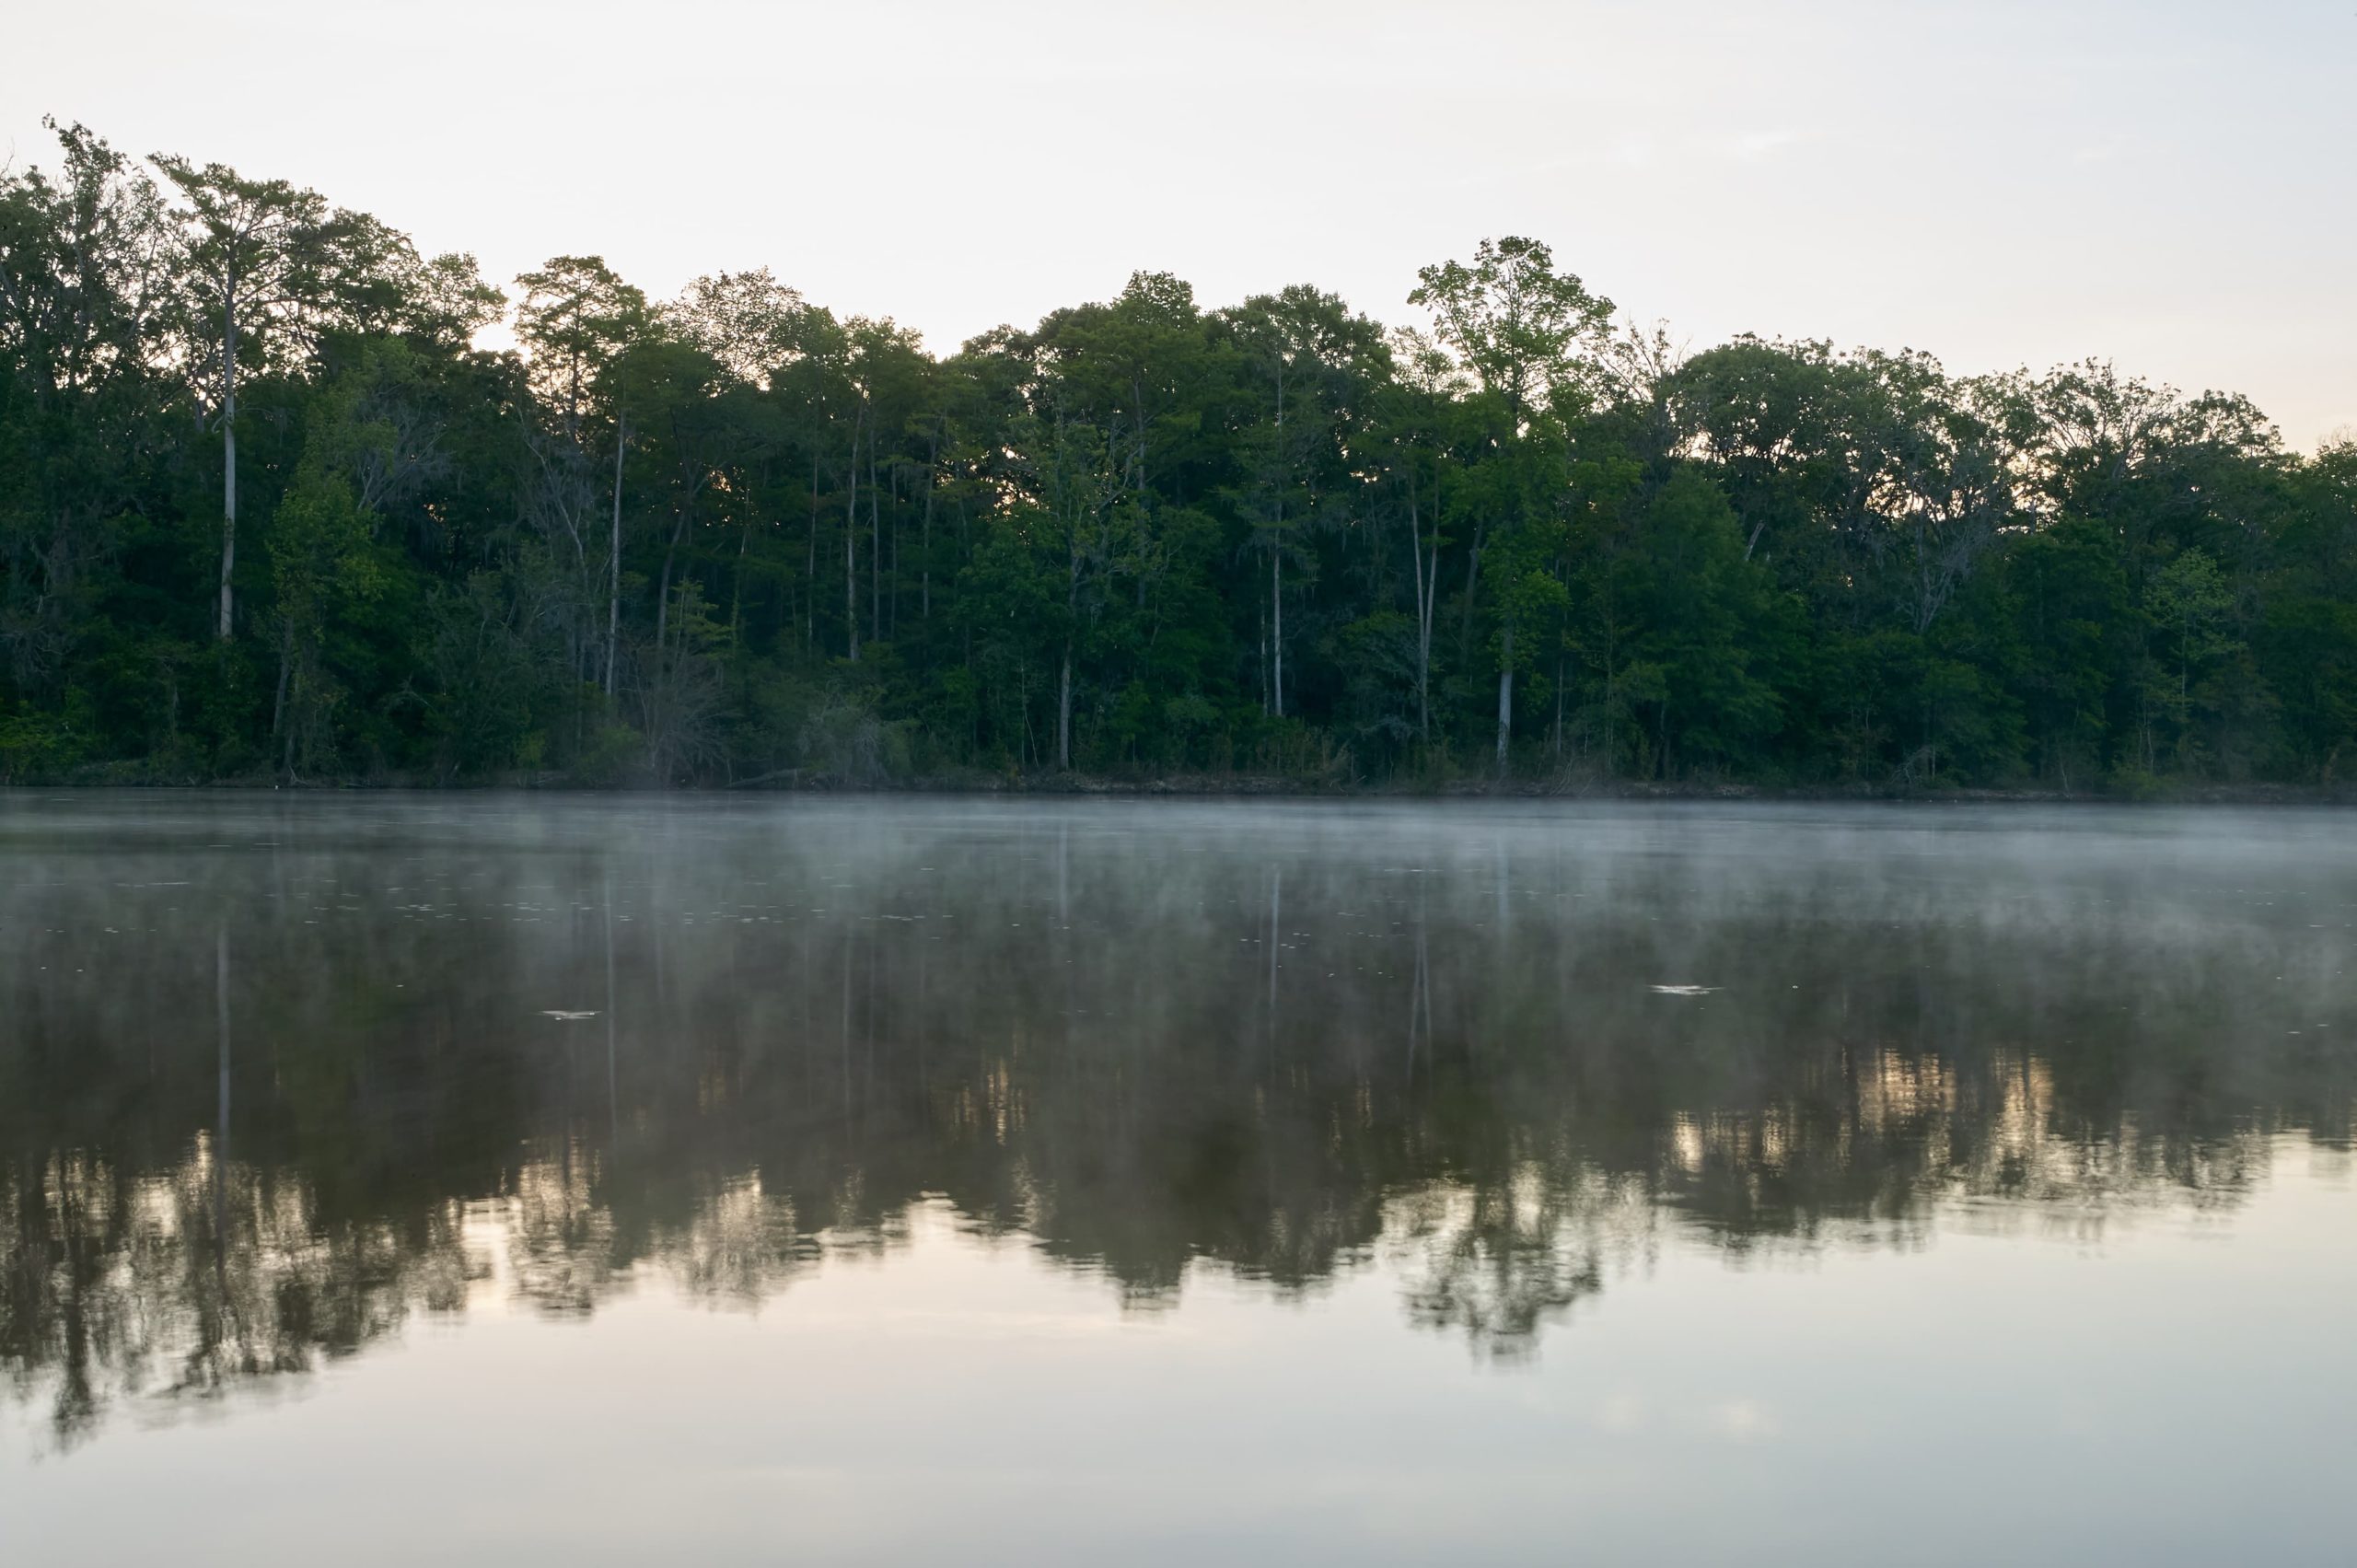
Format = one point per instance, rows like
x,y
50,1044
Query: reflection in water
x,y
569,1049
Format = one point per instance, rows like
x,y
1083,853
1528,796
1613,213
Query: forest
x,y
283,499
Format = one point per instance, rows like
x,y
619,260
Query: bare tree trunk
x,y
932,478
737,580
1277,633
279,706
228,454
278,725
1558,746
1424,643
1472,578
614,557
1611,723
1063,715
850,544
1276,562
875,547
1424,609
1506,695
663,595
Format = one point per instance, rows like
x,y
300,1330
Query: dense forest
x,y
268,510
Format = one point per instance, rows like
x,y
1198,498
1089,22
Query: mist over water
x,y
881,1178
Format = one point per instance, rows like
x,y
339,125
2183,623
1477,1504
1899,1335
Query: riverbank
x,y
1208,785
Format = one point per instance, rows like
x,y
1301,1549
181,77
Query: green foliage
x,y
732,538
35,747
488,697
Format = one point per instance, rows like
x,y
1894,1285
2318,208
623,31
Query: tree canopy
x,y
268,509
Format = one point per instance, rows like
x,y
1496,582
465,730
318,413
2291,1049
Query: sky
x,y
2167,185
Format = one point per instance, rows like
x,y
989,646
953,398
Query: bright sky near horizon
x,y
2165,184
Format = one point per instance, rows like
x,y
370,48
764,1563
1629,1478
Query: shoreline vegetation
x,y
273,510
1270,786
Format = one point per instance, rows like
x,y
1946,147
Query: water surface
x,y
483,1179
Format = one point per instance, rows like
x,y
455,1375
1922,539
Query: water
x,y
475,1179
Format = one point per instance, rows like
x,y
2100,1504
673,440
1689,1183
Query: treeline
x,y
266,510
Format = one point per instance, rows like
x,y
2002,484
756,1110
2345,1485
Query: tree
x,y
749,323
1417,431
2189,600
1084,529
1707,620
574,319
322,565
733,536
266,265
85,280
1531,336
1518,323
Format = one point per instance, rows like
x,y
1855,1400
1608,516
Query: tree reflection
x,y
1498,1261
187,1282
1139,1061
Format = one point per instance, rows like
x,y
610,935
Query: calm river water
x,y
466,1179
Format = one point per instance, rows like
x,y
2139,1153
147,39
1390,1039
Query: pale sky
x,y
2166,184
